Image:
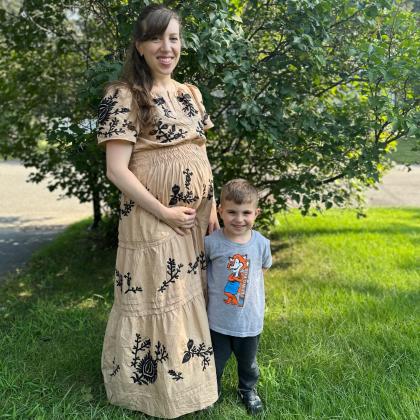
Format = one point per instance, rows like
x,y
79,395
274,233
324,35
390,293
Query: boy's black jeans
x,y
245,351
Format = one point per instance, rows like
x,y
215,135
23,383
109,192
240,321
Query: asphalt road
x,y
31,216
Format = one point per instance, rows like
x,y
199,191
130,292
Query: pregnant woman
x,y
157,356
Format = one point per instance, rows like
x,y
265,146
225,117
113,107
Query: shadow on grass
x,y
75,265
409,299
278,246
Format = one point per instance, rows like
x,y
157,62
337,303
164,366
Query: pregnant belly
x,y
178,177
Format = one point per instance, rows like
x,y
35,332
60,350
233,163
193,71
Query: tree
x,y
308,97
326,87
47,51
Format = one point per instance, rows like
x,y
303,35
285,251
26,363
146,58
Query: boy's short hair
x,y
239,191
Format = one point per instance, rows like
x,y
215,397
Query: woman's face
x,y
162,52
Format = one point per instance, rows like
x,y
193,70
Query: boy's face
x,y
238,219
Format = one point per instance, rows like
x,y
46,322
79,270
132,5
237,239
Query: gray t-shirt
x,y
236,284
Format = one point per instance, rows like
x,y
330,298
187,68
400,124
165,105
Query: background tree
x,y
307,96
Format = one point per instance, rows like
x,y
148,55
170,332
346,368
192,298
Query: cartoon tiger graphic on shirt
x,y
235,288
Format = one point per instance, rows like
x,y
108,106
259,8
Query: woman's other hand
x,y
213,220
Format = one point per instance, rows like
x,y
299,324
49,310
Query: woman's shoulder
x,y
190,88
186,86
118,90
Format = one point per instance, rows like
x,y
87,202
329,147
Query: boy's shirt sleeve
x,y
267,259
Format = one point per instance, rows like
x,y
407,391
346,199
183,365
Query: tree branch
x,y
332,179
340,82
340,22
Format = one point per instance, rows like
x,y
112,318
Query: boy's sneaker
x,y
251,400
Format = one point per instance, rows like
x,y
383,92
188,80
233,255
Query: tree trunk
x,y
97,216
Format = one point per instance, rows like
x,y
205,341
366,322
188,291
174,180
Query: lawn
x,y
341,338
408,152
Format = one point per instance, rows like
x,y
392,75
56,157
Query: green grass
x,y
341,337
405,153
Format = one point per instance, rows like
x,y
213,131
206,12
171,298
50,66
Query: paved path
x,y
399,188
30,215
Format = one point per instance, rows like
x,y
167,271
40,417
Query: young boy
x,y
237,256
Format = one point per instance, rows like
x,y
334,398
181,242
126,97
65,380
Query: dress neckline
x,y
174,90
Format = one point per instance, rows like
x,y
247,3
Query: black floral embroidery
x,y
107,115
106,106
200,129
200,351
193,266
120,282
116,368
201,259
176,376
188,174
166,133
177,195
210,192
172,274
119,279
129,287
162,103
187,105
146,368
128,206
139,345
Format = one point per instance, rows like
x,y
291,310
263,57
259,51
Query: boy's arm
x,y
267,259
207,248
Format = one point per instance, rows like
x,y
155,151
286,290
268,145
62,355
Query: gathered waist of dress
x,y
165,155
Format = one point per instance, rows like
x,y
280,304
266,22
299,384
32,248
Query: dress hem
x,y
173,406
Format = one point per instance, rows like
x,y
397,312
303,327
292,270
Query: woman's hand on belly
x,y
179,219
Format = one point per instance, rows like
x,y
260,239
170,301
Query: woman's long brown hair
x,y
152,21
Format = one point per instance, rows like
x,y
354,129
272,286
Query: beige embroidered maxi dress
x,y
157,356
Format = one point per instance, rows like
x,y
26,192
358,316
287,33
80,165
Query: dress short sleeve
x,y
115,121
205,118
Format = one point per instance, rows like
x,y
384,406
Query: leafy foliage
x,y
308,96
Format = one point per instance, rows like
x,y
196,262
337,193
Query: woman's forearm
x,y
130,186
